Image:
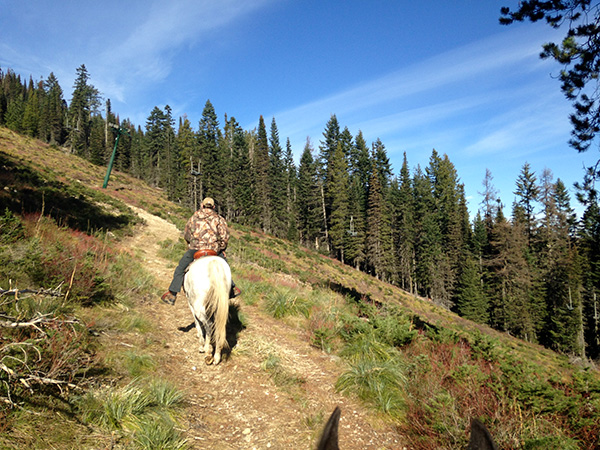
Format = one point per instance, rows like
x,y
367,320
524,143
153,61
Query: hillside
x,y
236,404
300,316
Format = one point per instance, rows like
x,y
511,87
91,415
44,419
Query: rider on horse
x,y
206,233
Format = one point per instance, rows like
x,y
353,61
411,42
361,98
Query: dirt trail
x,y
236,405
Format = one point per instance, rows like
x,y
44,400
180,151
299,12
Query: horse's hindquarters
x,y
207,284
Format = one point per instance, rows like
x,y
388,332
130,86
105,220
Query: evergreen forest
x,y
534,274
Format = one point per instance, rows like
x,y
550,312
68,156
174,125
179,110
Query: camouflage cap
x,y
208,203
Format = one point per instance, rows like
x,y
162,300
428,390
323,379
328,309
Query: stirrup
x,y
169,298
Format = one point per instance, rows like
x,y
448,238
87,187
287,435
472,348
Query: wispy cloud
x,y
126,47
146,56
436,90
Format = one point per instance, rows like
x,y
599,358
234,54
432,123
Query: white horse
x,y
207,284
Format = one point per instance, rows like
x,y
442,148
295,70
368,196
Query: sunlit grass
x,y
172,250
380,383
282,303
141,411
158,431
164,393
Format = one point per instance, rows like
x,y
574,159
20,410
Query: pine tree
x,y
226,144
55,110
309,199
527,192
261,165
211,169
561,280
3,99
96,141
381,163
471,301
124,148
427,235
328,146
15,94
577,54
291,182
359,167
510,279
246,209
404,235
189,157
327,149
139,154
155,143
340,220
497,265
589,244
490,199
378,234
32,111
451,215
277,184
169,157
84,102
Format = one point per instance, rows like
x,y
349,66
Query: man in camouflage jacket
x,y
205,230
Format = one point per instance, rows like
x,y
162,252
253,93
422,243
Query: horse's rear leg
x,y
204,331
217,357
208,347
199,331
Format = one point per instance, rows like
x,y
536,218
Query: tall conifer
x,y
84,102
340,221
404,230
277,184
309,199
291,189
208,143
55,110
262,166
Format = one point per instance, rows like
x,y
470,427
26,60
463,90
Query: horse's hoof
x,y
208,360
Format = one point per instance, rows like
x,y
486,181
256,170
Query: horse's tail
x,y
217,300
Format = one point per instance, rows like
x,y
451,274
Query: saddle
x,y
204,252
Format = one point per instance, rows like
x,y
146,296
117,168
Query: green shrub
x,y
380,383
121,406
394,330
323,328
551,443
11,228
163,393
484,347
141,411
282,303
367,346
158,431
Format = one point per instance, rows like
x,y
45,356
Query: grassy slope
x,y
255,256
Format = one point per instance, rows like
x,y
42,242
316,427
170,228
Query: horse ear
x,y
481,439
329,438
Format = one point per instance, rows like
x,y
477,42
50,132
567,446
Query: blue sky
x,y
417,75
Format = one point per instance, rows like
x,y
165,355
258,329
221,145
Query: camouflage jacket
x,y
206,230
